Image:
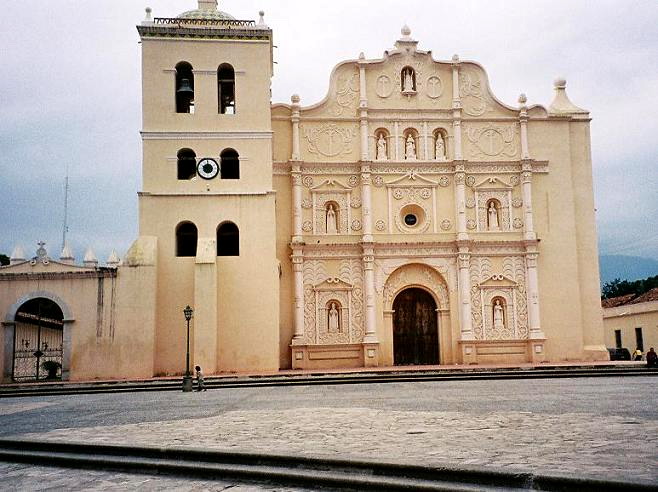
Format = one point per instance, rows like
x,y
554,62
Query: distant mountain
x,y
626,267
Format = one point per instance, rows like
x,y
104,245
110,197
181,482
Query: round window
x,y
410,220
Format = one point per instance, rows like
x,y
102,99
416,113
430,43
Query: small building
x,y
631,321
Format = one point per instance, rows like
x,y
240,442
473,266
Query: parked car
x,y
619,354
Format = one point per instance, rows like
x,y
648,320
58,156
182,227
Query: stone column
x,y
533,293
296,174
456,109
396,136
295,127
67,347
366,202
526,180
465,321
523,122
460,201
297,268
426,150
369,294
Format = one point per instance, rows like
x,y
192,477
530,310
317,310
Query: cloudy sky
x,y
70,95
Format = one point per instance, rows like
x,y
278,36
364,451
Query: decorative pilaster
x,y
526,180
464,260
460,201
366,202
295,127
297,268
369,294
523,122
426,151
296,174
396,129
533,293
456,109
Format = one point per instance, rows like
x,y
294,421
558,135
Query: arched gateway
x,y
415,331
38,341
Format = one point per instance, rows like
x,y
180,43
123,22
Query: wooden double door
x,y
415,330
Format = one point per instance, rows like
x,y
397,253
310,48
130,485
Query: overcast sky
x,y
70,96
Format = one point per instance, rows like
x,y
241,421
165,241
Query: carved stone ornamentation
x,y
347,93
329,140
412,275
307,203
470,203
472,93
517,202
446,224
483,199
398,194
460,178
514,180
380,225
444,181
470,181
492,140
356,225
434,87
353,181
307,181
384,86
355,202
378,181
517,223
470,224
425,193
307,226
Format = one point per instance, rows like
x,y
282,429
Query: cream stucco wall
x,y
627,318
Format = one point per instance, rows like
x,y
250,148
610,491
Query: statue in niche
x,y
440,148
408,80
333,319
492,215
381,148
332,223
410,148
498,316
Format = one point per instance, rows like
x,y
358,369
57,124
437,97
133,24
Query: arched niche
x,y
440,144
230,164
228,239
186,239
382,144
410,144
226,89
185,164
184,88
332,221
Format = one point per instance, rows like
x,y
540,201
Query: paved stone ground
x,y
18,477
596,427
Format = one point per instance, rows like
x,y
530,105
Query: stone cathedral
x,y
408,218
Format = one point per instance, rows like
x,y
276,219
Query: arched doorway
x,y
38,341
415,331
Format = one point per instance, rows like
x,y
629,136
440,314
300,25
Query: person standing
x,y
199,379
652,358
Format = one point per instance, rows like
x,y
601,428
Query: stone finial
x,y
295,98
148,17
261,20
113,260
90,259
455,58
405,31
17,256
67,255
362,56
522,99
561,104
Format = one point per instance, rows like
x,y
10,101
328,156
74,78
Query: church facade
x,y
408,218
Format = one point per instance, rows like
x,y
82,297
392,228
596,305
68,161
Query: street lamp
x,y
187,379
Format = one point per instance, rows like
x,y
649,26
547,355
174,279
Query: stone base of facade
x,y
595,353
502,351
335,356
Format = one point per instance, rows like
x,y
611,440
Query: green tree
x,y
618,287
4,260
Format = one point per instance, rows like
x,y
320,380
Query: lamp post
x,y
187,379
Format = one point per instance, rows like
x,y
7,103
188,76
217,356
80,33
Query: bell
x,y
185,88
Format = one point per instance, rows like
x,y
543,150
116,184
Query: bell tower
x,y
207,195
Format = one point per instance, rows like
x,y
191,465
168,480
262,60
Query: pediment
x,y
412,179
497,281
331,185
43,265
332,283
492,183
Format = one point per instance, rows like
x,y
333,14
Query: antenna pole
x,y
65,227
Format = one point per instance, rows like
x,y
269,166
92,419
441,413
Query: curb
x,y
290,470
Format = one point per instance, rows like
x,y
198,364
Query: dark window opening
x,y
186,239
228,240
226,89
230,164
186,164
639,341
618,339
184,88
410,220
